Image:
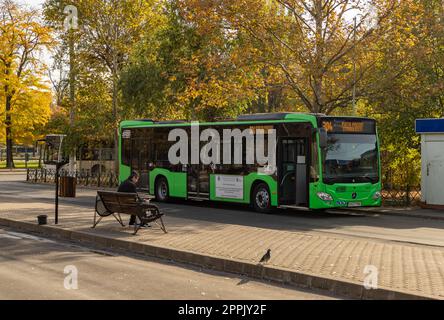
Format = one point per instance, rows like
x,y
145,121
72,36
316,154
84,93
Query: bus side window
x,y
126,152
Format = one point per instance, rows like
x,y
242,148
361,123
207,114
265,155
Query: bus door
x,y
292,171
191,179
139,162
198,181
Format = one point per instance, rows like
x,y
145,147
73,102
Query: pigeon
x,y
266,257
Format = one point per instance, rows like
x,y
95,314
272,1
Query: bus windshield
x,y
351,158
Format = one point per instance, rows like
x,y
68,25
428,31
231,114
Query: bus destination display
x,y
348,126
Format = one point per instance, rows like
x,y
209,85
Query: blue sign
x,y
429,125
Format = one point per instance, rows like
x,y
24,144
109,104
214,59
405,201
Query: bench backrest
x,y
120,202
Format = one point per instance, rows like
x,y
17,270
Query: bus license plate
x,y
354,204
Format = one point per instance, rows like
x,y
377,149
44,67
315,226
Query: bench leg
x,y
119,219
136,227
96,222
162,226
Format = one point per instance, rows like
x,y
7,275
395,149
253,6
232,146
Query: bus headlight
x,y
377,195
324,196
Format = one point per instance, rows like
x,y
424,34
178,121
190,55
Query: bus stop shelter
x,y
432,161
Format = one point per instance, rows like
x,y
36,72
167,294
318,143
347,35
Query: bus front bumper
x,y
345,196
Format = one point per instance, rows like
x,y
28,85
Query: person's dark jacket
x,y
127,186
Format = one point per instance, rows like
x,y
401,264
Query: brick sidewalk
x,y
408,268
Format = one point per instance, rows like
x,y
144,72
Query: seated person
x,y
129,186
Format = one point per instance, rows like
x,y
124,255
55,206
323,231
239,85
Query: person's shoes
x,y
145,225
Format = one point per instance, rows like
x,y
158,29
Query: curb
x,y
339,287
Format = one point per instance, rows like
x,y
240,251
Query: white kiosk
x,y
432,161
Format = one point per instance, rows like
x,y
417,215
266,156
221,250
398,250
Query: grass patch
x,y
20,164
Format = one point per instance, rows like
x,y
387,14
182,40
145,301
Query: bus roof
x,y
257,118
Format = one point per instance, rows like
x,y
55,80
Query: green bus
x,y
321,162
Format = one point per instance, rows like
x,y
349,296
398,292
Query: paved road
x,y
386,228
33,268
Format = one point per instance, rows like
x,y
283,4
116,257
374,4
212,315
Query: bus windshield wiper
x,y
367,177
333,179
347,179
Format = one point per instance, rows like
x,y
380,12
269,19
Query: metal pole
x,y
57,194
354,66
40,159
100,166
72,97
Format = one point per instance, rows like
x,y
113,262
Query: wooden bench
x,y
115,203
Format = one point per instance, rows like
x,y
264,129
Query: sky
x,y
34,3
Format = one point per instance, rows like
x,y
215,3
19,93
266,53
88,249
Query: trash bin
x,y
42,220
68,187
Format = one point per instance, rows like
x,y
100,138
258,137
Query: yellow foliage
x,y
24,97
29,115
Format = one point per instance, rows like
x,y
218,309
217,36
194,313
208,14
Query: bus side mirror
x,y
323,138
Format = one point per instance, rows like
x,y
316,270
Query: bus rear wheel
x,y
261,199
162,192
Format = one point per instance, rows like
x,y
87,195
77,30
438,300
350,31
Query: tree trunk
x,y
8,123
9,157
318,75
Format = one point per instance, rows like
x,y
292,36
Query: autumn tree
x,y
108,30
184,72
407,83
313,43
25,97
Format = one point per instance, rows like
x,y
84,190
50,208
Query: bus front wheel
x,y
262,199
162,192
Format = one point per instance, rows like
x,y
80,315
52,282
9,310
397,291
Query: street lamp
x,y
70,25
53,154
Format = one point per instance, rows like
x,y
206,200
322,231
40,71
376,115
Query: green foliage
x,y
408,84
178,72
